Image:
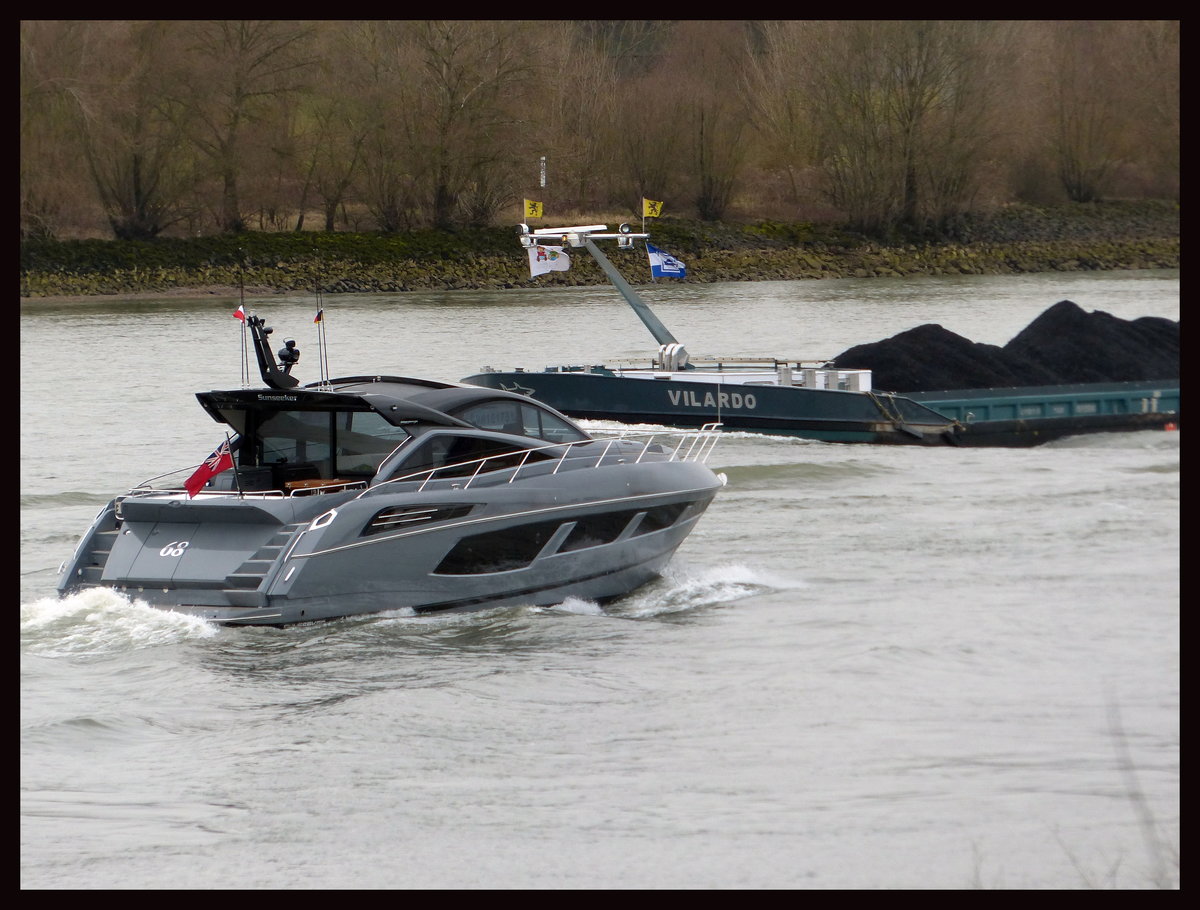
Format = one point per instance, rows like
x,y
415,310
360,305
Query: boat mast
x,y
584,237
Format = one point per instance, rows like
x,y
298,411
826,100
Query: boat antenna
x,y
319,319
242,311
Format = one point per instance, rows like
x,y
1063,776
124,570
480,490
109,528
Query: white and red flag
x,y
544,259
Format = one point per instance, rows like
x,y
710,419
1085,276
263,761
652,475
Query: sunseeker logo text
x,y
691,399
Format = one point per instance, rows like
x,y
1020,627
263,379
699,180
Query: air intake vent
x,y
397,518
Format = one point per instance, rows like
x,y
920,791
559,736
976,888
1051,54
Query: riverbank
x,y
1015,240
174,293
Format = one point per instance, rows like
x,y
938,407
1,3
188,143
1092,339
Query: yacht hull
x,y
281,560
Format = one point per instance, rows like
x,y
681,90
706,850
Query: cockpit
x,y
299,440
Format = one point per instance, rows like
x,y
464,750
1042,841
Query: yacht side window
x,y
544,425
521,419
447,452
364,440
501,415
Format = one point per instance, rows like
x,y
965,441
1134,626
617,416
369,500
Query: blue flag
x,y
663,264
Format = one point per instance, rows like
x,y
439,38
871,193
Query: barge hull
x,y
1032,415
1025,416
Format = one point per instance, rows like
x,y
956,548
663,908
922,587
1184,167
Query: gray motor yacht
x,y
366,494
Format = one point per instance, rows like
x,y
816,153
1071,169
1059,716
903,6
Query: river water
x,y
867,668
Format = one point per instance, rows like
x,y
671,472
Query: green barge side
x,y
1035,414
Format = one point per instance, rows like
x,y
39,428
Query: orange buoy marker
x,y
1170,426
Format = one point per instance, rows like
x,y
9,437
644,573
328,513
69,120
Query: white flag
x,y
543,259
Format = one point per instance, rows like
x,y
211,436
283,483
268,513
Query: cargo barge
x,y
815,400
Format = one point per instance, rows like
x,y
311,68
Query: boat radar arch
x,y
272,375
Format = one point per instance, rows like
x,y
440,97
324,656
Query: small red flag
x,y
240,313
320,315
220,460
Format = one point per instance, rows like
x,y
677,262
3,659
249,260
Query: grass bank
x,y
1015,239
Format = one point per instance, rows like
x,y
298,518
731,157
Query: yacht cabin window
x,y
327,443
447,451
519,418
295,437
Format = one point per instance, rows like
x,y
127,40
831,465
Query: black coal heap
x,y
1063,345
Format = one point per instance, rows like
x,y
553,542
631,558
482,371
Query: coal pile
x,y
1063,345
1099,347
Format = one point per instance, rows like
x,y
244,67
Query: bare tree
x,y
378,69
133,145
773,89
897,125
703,68
956,130
1084,80
1110,93
648,156
53,179
571,120
445,102
900,111
845,87
649,145
334,123
623,144
471,75
239,66
335,159
1154,74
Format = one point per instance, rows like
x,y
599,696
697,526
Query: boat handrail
x,y
328,486
691,445
140,491
169,492
704,363
814,362
145,483
699,446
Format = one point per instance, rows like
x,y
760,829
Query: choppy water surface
x,y
869,667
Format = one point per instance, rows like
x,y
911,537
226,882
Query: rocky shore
x,y
1014,240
